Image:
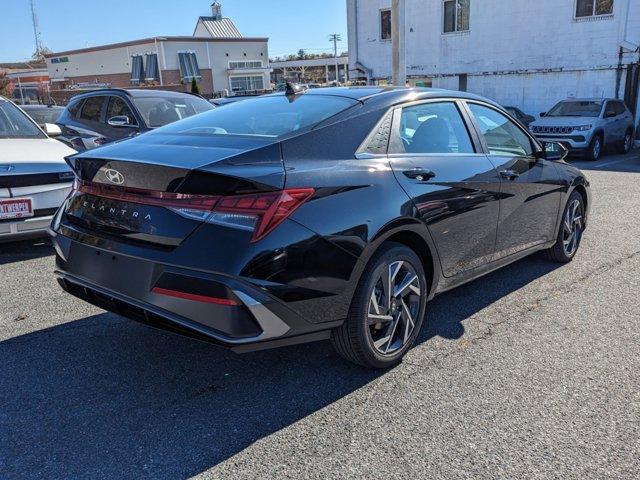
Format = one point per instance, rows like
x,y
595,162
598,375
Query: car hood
x,y
564,121
33,150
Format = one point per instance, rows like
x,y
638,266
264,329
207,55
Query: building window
x,y
189,66
385,24
246,84
456,15
151,70
593,8
246,64
136,69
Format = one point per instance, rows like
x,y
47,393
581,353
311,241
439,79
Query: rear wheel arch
x,y
412,237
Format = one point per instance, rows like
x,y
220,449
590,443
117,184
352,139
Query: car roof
x,y
589,99
40,107
390,94
134,92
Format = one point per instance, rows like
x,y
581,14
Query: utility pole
x,y
36,29
398,56
335,38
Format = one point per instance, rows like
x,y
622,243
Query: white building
x,y
524,53
217,56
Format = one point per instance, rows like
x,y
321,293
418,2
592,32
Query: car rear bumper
x,y
217,308
24,228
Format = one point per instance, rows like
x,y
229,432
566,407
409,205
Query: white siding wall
x,y
521,52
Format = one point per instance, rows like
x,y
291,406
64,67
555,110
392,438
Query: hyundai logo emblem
x,y
114,176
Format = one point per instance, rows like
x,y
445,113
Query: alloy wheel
x,y
597,147
573,226
394,305
627,142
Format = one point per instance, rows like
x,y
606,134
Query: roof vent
x,y
216,11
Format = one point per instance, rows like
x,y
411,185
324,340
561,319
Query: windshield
x,y
44,115
15,124
576,109
159,111
270,116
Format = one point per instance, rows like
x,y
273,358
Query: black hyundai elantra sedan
x,y
334,213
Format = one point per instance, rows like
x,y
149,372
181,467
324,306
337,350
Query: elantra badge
x,y
114,176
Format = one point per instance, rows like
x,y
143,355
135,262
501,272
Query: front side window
x,y
15,124
189,68
92,109
434,128
576,108
593,8
456,15
267,116
119,108
385,24
503,137
247,84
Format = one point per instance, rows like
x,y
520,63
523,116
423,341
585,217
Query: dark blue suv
x,y
103,116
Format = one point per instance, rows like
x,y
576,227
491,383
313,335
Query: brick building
x,y
217,56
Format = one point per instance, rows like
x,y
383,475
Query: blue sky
x,y
69,24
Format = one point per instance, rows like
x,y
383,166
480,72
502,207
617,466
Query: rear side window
x,y
92,108
268,116
434,128
118,107
619,108
503,137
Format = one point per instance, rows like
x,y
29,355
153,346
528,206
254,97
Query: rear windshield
x,y
160,111
268,116
15,124
44,115
576,109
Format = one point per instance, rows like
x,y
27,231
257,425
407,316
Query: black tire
x,y
559,252
595,148
626,143
354,339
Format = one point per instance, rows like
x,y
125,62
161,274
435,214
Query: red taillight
x,y
269,209
258,212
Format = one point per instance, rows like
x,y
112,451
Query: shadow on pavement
x,y
629,163
25,250
106,397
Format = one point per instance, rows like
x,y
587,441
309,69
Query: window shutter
x,y
151,72
136,69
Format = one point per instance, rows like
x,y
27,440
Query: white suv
x,y
34,177
587,126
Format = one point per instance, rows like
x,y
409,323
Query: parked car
x,y
331,213
103,116
587,126
42,114
519,115
34,177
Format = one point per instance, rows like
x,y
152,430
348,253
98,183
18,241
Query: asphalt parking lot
x,y
531,372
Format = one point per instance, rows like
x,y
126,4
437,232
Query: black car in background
x,y
334,213
103,116
519,115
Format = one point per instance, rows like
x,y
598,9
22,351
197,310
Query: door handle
x,y
420,174
509,174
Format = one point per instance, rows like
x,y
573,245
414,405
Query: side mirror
x,y
120,121
542,114
52,130
609,114
555,151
